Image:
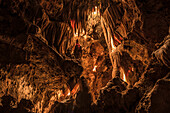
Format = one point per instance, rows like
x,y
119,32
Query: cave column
x,y
109,41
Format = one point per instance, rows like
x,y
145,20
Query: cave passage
x,y
84,56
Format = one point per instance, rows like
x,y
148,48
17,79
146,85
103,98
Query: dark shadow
x,y
24,106
6,104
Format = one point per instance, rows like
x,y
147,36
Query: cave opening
x,y
84,56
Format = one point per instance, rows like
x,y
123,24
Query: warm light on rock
x,y
60,93
68,93
75,89
113,47
85,37
94,69
95,12
124,77
84,56
76,33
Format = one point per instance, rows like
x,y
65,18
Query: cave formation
x,y
119,65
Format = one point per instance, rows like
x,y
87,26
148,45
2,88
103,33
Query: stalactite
x,y
109,11
118,35
93,9
87,13
116,15
78,28
116,38
74,27
115,42
120,10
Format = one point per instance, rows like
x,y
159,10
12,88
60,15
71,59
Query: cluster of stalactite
x,y
80,13
117,23
71,17
33,34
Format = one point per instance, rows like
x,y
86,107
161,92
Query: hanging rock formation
x,y
130,36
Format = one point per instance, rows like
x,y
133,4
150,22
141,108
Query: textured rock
x,y
34,38
162,54
157,100
155,19
110,96
30,79
30,68
115,97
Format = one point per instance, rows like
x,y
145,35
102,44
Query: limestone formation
x,y
124,66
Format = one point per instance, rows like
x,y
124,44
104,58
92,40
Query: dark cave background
x,y
37,65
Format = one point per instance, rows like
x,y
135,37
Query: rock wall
x,y
157,99
33,34
140,36
31,66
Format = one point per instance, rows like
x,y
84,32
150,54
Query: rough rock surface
x,y
30,67
157,100
36,74
34,38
